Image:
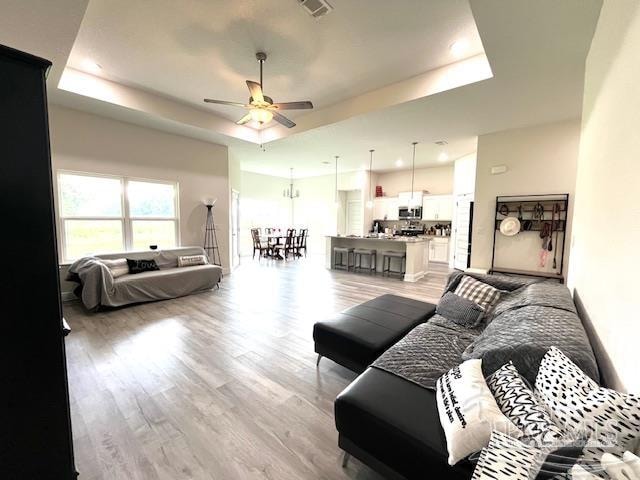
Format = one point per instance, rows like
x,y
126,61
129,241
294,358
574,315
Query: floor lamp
x,y
210,237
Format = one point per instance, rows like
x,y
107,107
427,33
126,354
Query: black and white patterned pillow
x,y
518,403
505,458
580,405
478,292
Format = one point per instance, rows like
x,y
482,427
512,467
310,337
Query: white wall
x,y
540,160
436,180
262,205
464,175
605,260
89,143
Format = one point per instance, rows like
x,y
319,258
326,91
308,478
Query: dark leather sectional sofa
x,y
391,423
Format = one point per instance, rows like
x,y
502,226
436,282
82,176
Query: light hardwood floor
x,y
222,384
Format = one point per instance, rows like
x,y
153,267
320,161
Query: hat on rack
x,y
510,226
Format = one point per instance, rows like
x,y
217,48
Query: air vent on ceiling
x,y
442,143
316,8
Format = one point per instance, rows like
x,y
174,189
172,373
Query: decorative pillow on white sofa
x,y
520,405
505,458
117,267
192,260
580,405
468,412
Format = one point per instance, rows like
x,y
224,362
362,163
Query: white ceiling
x,y
193,49
182,51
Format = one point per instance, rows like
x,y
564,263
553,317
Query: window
x,y
101,214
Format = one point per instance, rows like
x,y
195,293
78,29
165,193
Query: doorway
x,y
354,217
463,225
235,229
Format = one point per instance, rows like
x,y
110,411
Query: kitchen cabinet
x,y
437,208
439,249
385,208
404,198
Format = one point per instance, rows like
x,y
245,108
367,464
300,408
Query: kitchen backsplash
x,y
399,224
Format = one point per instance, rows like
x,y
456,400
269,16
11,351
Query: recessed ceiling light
x,y
91,66
325,162
443,157
459,47
399,162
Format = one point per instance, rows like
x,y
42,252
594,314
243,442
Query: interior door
x,y
462,232
235,228
354,217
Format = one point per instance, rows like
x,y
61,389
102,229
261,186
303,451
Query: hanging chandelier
x,y
289,192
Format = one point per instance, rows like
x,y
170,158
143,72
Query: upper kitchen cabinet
x,y
437,208
385,208
404,198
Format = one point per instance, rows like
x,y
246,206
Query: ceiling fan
x,y
261,108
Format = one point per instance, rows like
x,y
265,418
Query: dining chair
x,y
301,242
288,247
258,246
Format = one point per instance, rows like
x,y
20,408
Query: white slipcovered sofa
x,y
99,288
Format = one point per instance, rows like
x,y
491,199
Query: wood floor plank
x,y
222,384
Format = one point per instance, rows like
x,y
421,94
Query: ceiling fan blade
x,y
281,119
244,119
294,105
224,102
256,91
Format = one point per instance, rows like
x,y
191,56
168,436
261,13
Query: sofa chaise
x,y
98,287
388,417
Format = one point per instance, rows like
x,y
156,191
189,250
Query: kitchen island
x,y
416,248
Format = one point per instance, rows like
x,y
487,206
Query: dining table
x,y
273,239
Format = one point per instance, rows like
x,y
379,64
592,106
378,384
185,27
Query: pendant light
x,y
290,193
413,174
370,201
336,199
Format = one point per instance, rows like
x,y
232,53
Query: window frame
x,y
125,217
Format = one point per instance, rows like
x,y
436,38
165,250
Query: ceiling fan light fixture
x,y
261,115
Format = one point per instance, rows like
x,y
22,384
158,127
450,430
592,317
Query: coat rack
x,y
543,226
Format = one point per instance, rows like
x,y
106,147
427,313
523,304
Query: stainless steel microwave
x,y
409,213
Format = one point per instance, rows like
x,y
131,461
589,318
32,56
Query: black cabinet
x,y
36,440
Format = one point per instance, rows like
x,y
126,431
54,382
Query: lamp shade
x,y
261,115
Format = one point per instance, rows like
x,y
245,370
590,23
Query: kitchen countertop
x,y
397,239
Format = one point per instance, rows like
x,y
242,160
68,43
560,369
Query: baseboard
x,y
413,277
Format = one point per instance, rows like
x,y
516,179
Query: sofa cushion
x,y
460,310
143,265
524,332
162,284
506,458
478,292
117,267
582,406
396,421
468,412
517,401
360,334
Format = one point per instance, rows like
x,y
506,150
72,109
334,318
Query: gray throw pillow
x,y
460,310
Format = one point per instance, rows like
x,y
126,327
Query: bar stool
x,y
341,251
386,262
370,253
